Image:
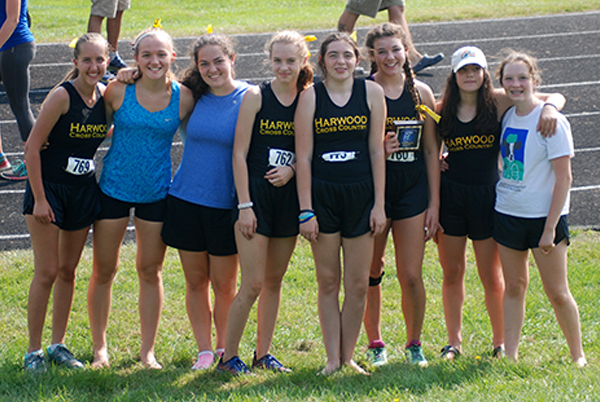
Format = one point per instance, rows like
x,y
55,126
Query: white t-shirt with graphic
x,y
527,181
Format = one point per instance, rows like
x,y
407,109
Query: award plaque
x,y
408,133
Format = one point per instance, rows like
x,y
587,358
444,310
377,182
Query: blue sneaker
x,y
234,366
269,362
414,355
34,362
18,173
107,77
61,356
116,63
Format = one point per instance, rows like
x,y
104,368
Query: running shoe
x,y
107,77
18,173
34,362
234,366
206,358
269,362
414,355
376,356
116,63
4,163
499,352
61,356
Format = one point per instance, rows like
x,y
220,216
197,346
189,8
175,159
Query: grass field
x,y
62,20
544,372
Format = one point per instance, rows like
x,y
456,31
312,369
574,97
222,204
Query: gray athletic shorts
x,y
371,7
109,8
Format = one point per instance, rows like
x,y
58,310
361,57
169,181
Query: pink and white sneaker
x,y
206,358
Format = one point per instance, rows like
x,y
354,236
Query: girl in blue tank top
x,y
61,200
137,174
345,208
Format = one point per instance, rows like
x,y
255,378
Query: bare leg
x,y
516,276
95,23
253,262
490,273
70,245
279,254
197,295
347,21
553,271
223,277
409,243
372,319
113,30
451,250
149,259
108,236
44,240
358,254
328,270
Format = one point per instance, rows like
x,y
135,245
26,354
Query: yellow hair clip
x,y
209,29
310,38
157,24
425,109
73,43
353,36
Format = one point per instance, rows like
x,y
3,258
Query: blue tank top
x,y
21,34
205,174
137,167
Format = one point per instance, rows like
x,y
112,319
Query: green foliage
x,y
544,372
62,20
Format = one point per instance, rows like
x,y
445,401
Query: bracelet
x,y
550,104
306,215
245,205
307,219
293,170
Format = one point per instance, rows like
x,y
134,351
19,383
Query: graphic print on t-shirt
x,y
513,153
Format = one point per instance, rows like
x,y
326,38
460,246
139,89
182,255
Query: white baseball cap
x,y
468,55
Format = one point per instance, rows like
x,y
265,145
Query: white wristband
x,y
245,205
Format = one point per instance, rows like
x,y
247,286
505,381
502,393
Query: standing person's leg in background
x,y
396,15
14,69
112,10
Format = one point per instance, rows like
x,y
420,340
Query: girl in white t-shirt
x,y
532,203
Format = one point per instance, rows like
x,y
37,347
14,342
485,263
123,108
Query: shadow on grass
x,y
130,381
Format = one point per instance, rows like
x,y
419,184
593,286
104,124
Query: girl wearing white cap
x,y
471,110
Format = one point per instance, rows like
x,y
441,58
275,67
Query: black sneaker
x,y
116,63
61,356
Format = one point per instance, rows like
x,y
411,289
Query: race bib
x,y
402,157
80,167
281,157
339,156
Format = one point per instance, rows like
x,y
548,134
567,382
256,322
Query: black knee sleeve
x,y
375,281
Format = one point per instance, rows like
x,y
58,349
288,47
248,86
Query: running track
x,y
567,46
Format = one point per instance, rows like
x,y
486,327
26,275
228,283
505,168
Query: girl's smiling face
x,y
91,62
389,54
215,67
340,60
286,61
517,81
154,56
